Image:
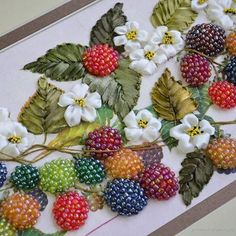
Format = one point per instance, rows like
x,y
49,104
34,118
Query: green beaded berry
x,y
6,229
25,177
57,176
89,171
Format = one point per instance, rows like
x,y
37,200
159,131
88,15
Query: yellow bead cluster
x,y
124,164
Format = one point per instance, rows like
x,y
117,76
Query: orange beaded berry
x,y
231,43
21,210
222,152
124,164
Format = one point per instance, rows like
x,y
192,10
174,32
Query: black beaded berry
x,y
125,197
230,71
3,173
25,177
206,38
89,170
40,196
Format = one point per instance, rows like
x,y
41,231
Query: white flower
x,y
170,42
14,138
4,114
80,104
130,35
140,128
199,5
222,13
192,133
145,61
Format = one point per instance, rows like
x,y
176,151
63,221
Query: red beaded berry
x,y
195,69
105,138
70,211
100,60
159,182
223,94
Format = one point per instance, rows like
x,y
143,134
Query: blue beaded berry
x,y
3,173
40,196
226,171
230,71
125,197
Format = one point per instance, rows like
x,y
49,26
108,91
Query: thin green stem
x,y
232,122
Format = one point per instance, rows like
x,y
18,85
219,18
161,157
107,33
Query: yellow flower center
x,y
200,2
230,11
132,35
195,130
149,55
81,102
14,139
142,123
168,38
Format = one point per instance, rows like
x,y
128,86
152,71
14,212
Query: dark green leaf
x,y
36,232
195,174
62,63
41,113
175,14
103,31
120,90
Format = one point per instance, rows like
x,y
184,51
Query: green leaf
x,y
165,134
175,14
120,90
41,113
104,116
62,63
73,136
196,172
36,232
103,31
200,95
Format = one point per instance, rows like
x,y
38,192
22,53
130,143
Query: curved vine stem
x,y
232,122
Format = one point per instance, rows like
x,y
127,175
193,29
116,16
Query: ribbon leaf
x,y
120,90
41,113
196,172
62,63
36,232
175,14
170,99
103,31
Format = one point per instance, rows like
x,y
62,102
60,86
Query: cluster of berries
x,y
204,42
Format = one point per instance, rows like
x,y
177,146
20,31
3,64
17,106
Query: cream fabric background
x,y
14,13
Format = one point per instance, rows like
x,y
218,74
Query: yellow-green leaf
x,y
170,99
175,14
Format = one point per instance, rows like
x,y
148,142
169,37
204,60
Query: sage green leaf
x,y
104,116
200,95
165,134
103,31
196,172
62,63
175,14
41,113
36,232
120,90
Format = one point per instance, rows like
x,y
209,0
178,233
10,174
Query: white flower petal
x,y
185,146
139,66
201,141
150,134
80,90
150,68
179,132
20,130
137,55
132,46
169,50
150,47
206,127
4,114
120,40
130,120
94,100
3,142
133,134
66,99
132,25
89,114
144,114
121,30
73,115
154,123
190,120
23,145
198,7
160,57
7,129
11,150
161,30
142,36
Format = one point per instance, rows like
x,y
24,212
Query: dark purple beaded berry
x,y
226,171
3,173
40,196
230,71
125,197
